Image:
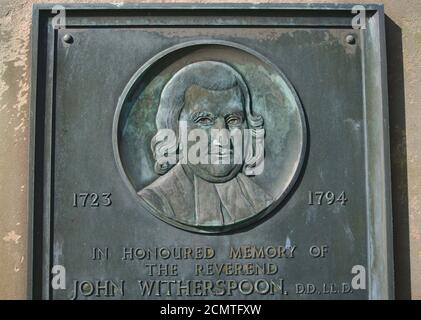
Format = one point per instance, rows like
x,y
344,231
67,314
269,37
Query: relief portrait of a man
x,y
208,96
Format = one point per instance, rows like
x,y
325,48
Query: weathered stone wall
x,y
404,60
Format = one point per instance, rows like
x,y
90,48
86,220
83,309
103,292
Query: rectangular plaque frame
x,y
42,112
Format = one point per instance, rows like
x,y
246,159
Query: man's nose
x,y
221,136
221,127
219,123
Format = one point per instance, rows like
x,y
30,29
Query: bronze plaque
x,y
209,152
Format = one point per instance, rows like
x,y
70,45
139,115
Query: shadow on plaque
x,y
398,153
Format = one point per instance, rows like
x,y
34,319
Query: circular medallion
x,y
209,136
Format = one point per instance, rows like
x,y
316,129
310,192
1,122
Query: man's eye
x,y
204,120
233,121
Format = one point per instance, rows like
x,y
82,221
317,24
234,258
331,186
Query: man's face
x,y
222,110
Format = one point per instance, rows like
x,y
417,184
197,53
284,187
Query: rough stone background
x,y
404,69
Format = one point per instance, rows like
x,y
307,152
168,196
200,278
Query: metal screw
x,y
68,38
350,39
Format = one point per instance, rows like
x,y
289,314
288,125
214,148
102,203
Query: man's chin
x,y
217,173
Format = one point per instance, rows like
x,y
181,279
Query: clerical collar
x,y
228,202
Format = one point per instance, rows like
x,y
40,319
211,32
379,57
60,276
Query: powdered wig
x,y
209,75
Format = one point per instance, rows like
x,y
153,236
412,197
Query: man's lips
x,y
221,154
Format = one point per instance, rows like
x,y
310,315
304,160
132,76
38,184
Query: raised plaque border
x,y
42,91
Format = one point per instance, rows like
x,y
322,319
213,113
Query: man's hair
x,y
209,75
